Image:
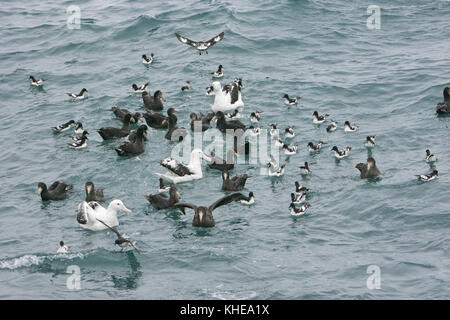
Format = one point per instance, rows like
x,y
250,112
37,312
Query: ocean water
x,y
386,80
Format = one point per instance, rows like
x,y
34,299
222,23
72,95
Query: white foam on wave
x,y
29,260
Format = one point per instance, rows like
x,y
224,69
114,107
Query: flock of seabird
x,y
225,112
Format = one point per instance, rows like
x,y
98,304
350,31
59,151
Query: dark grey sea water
x,y
386,80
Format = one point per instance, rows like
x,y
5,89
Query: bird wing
x,y
186,40
112,229
234,93
176,167
183,205
226,200
54,185
216,39
132,244
85,212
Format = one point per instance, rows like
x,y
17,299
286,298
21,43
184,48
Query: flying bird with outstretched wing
x,y
201,45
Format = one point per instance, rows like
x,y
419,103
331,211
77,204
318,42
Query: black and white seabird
x,y
35,82
255,116
218,73
430,157
93,194
319,119
201,45
305,169
78,128
155,102
129,148
179,172
63,127
236,183
79,138
141,88
147,60
288,150
210,91
370,142
204,215
298,198
339,154
56,191
187,86
121,113
299,188
427,177
254,132
114,133
369,169
298,211
164,201
332,126
315,147
289,132
82,143
275,170
274,131
291,101
444,107
234,114
79,95
248,200
62,248
349,128
120,241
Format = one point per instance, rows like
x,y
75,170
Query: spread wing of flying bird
x,y
201,45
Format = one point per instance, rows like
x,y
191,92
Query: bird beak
x,y
214,119
205,157
164,121
39,191
201,216
175,110
125,209
162,97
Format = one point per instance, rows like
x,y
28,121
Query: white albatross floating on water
x,y
226,98
178,172
89,212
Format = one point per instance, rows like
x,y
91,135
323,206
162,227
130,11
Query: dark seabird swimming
x,y
128,148
82,143
187,86
162,201
369,169
141,88
349,128
121,113
427,177
79,138
63,127
153,103
62,248
430,157
332,126
203,122
291,101
157,120
147,60
115,133
120,241
305,169
174,133
133,135
56,191
35,82
315,147
298,211
299,188
223,124
444,107
201,45
203,215
218,73
78,96
219,163
93,194
319,119
236,183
